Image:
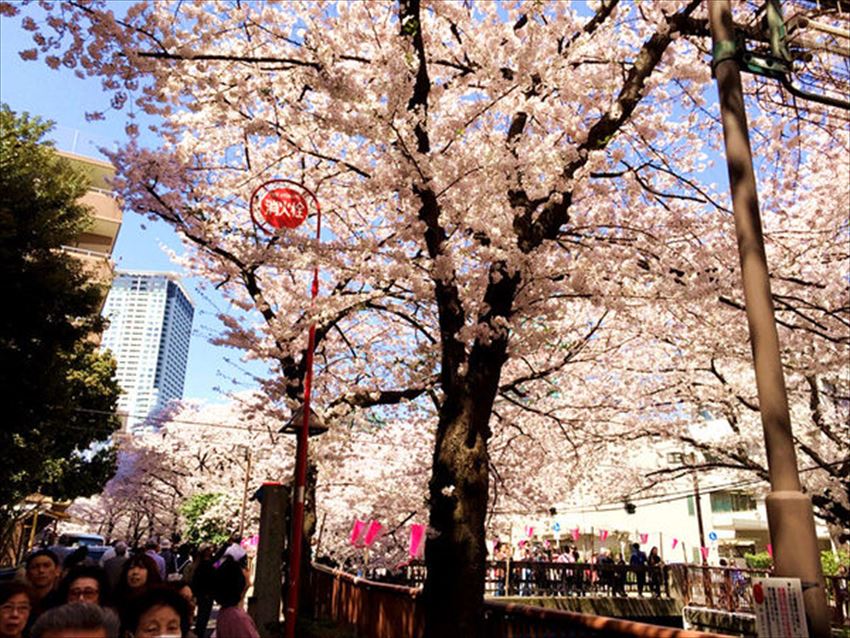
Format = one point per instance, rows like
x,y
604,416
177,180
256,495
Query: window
x,y
732,502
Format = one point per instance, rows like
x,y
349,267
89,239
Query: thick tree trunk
x,y
455,551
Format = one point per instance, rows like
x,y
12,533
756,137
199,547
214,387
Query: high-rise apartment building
x,y
150,323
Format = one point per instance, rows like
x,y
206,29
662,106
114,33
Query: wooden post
x,y
267,578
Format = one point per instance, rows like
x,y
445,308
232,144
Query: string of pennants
x,y
364,534
603,534
576,534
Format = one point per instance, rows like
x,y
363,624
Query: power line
x,y
602,507
161,420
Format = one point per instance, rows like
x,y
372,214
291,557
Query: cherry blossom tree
x,y
515,195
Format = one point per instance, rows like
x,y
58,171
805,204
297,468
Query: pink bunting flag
x,y
603,534
644,539
417,538
675,542
372,532
357,531
704,551
770,550
529,531
575,534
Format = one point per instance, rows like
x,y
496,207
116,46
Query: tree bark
x,y
455,551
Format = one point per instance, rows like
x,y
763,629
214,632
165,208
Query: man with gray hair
x,y
76,620
113,566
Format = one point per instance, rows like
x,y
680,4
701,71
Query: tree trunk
x,y
455,551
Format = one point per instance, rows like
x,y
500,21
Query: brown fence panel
x,y
379,610
508,620
376,610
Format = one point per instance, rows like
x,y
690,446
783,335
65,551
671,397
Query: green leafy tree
x,y
761,560
831,562
206,521
61,393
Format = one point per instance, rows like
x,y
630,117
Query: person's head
x,y
42,570
228,584
140,571
77,557
653,551
120,548
185,590
635,547
76,620
85,584
206,551
152,544
15,606
160,611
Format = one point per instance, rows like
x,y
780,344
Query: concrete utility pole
x,y
248,456
706,576
789,511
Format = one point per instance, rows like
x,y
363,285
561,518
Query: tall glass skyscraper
x,y
150,322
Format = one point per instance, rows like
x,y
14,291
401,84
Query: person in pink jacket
x,y
228,587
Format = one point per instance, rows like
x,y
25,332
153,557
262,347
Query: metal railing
x,y
722,588
730,589
538,578
85,252
382,610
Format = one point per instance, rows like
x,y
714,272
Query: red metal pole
x,y
291,613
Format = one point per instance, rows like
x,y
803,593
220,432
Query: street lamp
x,y
315,424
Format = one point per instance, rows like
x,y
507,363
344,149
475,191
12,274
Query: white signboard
x,y
779,608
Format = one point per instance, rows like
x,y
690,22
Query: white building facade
x,y
150,325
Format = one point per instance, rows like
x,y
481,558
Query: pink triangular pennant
x,y
417,538
575,534
357,531
603,534
770,550
529,531
644,539
675,542
372,532
704,550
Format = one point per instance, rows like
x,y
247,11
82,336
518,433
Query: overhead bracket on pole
x,y
777,63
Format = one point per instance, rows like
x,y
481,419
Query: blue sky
x,y
60,96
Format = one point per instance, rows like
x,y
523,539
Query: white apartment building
x,y
734,523
733,513
150,324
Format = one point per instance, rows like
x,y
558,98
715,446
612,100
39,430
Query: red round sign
x,y
283,208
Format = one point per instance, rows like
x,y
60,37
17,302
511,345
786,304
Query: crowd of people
x,y
156,591
537,569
